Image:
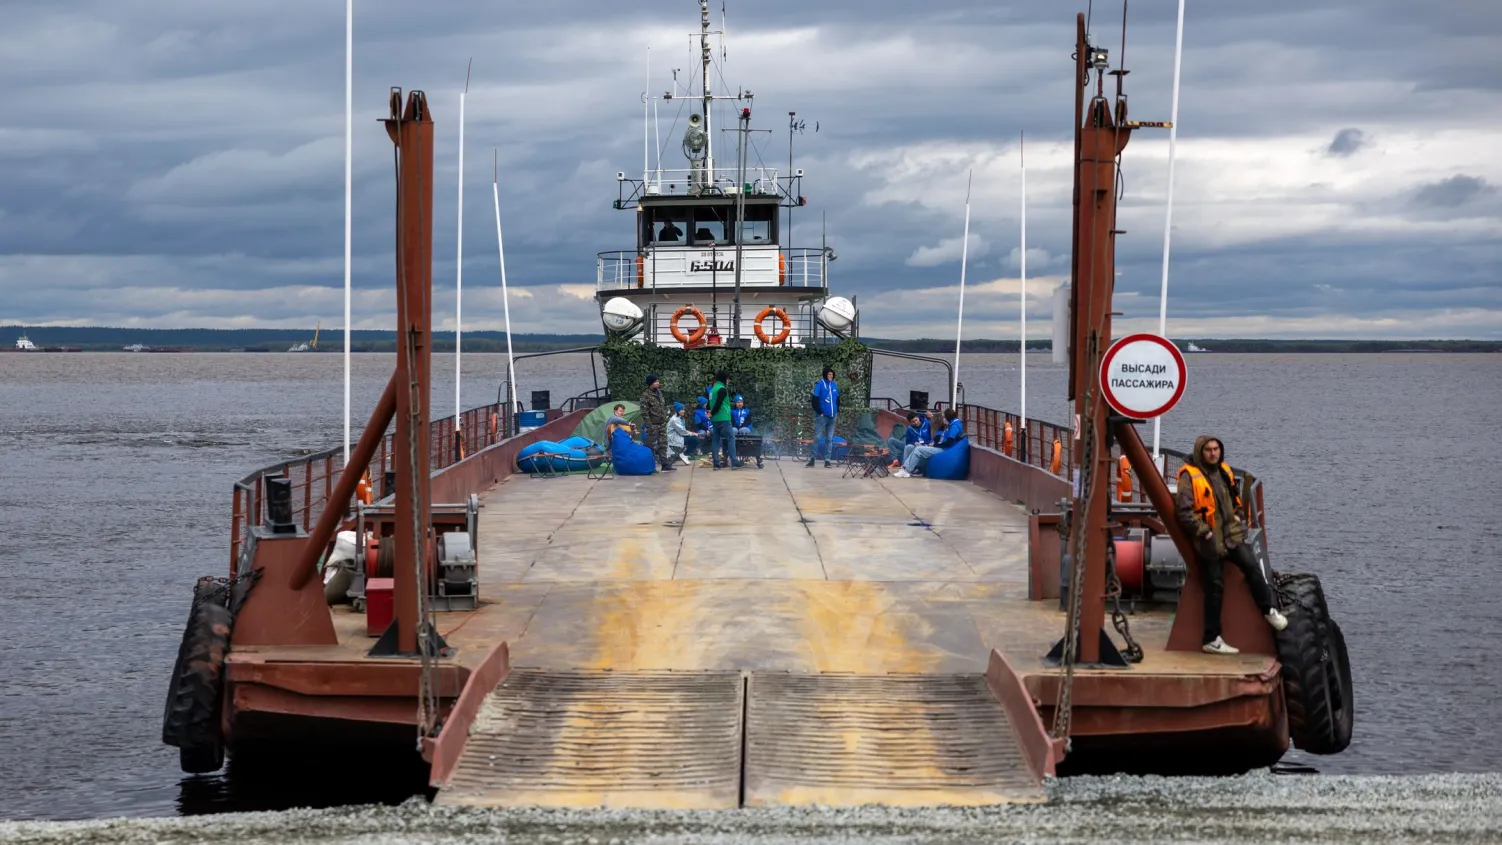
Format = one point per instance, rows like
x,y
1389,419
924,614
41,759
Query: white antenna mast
x,y
459,261
1022,157
500,246
349,145
706,60
954,389
646,124
1173,134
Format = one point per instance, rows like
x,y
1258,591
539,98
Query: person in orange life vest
x,y
1211,510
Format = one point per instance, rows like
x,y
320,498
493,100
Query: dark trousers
x,y
723,440
656,439
1214,583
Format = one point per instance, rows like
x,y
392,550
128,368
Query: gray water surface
x,y
115,473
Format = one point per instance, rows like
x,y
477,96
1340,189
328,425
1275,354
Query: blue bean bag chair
x,y
631,458
952,464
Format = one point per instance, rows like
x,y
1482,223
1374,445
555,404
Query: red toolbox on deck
x,y
378,605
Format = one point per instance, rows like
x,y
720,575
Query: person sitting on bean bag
x,y
630,457
949,438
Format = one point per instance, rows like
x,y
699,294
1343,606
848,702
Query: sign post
x,y
1142,376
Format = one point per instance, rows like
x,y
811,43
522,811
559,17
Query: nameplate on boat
x,y
712,265
1142,376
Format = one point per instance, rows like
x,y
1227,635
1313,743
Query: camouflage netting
x,y
775,381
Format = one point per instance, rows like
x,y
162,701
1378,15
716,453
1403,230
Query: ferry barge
x,y
797,635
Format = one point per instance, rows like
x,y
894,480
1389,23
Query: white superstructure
x,y
24,345
712,240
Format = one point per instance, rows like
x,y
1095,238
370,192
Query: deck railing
x,y
315,475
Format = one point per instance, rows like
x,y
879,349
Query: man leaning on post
x,y
1210,508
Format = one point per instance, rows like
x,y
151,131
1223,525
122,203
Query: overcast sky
x,y
180,163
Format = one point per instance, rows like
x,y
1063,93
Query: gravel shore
x,y
1259,807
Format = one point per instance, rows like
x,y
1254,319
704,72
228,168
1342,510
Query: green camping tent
x,y
593,424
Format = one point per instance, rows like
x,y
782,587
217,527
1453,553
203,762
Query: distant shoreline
x,y
102,339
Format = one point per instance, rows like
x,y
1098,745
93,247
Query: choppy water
x,y
115,473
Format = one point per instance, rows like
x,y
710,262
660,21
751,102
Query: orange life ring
x,y
1123,479
698,334
761,334
782,269
495,420
362,489
1006,440
641,271
1056,463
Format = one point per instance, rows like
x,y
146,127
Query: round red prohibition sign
x,y
1142,376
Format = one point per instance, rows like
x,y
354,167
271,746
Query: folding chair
x,y
601,466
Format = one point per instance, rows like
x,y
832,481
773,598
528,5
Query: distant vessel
x,y
24,345
310,346
1192,348
136,347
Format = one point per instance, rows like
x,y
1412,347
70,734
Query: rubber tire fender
x,y
195,696
1316,668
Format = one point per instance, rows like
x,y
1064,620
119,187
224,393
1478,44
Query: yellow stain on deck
x,y
850,626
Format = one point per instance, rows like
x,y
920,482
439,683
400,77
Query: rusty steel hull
x,y
878,577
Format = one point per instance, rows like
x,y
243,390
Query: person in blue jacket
x,y
953,433
826,404
917,434
740,416
701,419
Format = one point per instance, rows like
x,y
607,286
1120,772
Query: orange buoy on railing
x,y
495,423
782,269
362,489
698,334
1056,463
641,271
1123,479
761,334
1006,439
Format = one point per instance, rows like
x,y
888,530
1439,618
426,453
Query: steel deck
x,y
799,583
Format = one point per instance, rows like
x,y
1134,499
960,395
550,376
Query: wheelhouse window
x,y
710,225
668,226
758,226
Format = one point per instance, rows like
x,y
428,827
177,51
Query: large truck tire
x,y
1316,668
195,696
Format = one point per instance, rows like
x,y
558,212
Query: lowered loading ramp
x,y
903,740
654,740
719,740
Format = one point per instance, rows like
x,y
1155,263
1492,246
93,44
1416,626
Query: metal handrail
x,y
911,356
505,387
314,476
662,266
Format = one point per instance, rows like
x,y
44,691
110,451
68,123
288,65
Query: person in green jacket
x,y
719,416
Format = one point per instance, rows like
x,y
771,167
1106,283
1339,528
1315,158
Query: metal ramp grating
x,y
602,739
904,740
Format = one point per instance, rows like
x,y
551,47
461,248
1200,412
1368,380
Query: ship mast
x,y
708,96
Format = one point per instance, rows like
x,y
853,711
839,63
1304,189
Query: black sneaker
x,y
669,468
827,464
810,462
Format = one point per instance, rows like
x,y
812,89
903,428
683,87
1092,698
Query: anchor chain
x,y
1079,547
1133,652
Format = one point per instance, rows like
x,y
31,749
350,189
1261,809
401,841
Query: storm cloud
x,y
170,163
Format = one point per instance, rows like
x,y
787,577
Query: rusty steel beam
x,y
1155,487
337,506
1100,140
411,129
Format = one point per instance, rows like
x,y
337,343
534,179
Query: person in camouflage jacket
x,y
654,413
